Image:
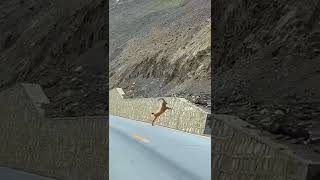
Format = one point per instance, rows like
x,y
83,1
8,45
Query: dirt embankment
x,y
170,58
62,46
266,65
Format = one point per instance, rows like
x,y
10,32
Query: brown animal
x,y
162,109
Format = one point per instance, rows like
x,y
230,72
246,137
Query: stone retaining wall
x,y
62,148
240,153
185,116
75,148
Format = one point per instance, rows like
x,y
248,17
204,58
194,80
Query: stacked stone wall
x,y
240,153
185,116
63,148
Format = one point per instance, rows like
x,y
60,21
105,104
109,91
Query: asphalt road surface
x,y
139,151
11,174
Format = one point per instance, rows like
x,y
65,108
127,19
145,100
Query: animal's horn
x,y
163,100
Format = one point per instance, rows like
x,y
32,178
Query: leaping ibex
x,y
162,109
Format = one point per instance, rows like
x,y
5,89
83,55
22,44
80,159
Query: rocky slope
x,y
62,46
165,48
266,65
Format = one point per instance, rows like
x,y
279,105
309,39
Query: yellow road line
x,y
140,138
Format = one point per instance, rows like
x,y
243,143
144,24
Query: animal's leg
x,y
155,118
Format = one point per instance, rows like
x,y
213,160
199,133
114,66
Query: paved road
x,y
139,151
11,174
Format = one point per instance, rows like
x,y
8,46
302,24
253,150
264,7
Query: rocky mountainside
x,y
266,65
60,45
161,48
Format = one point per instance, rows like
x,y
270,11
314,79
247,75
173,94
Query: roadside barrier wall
x,y
185,116
62,148
239,152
